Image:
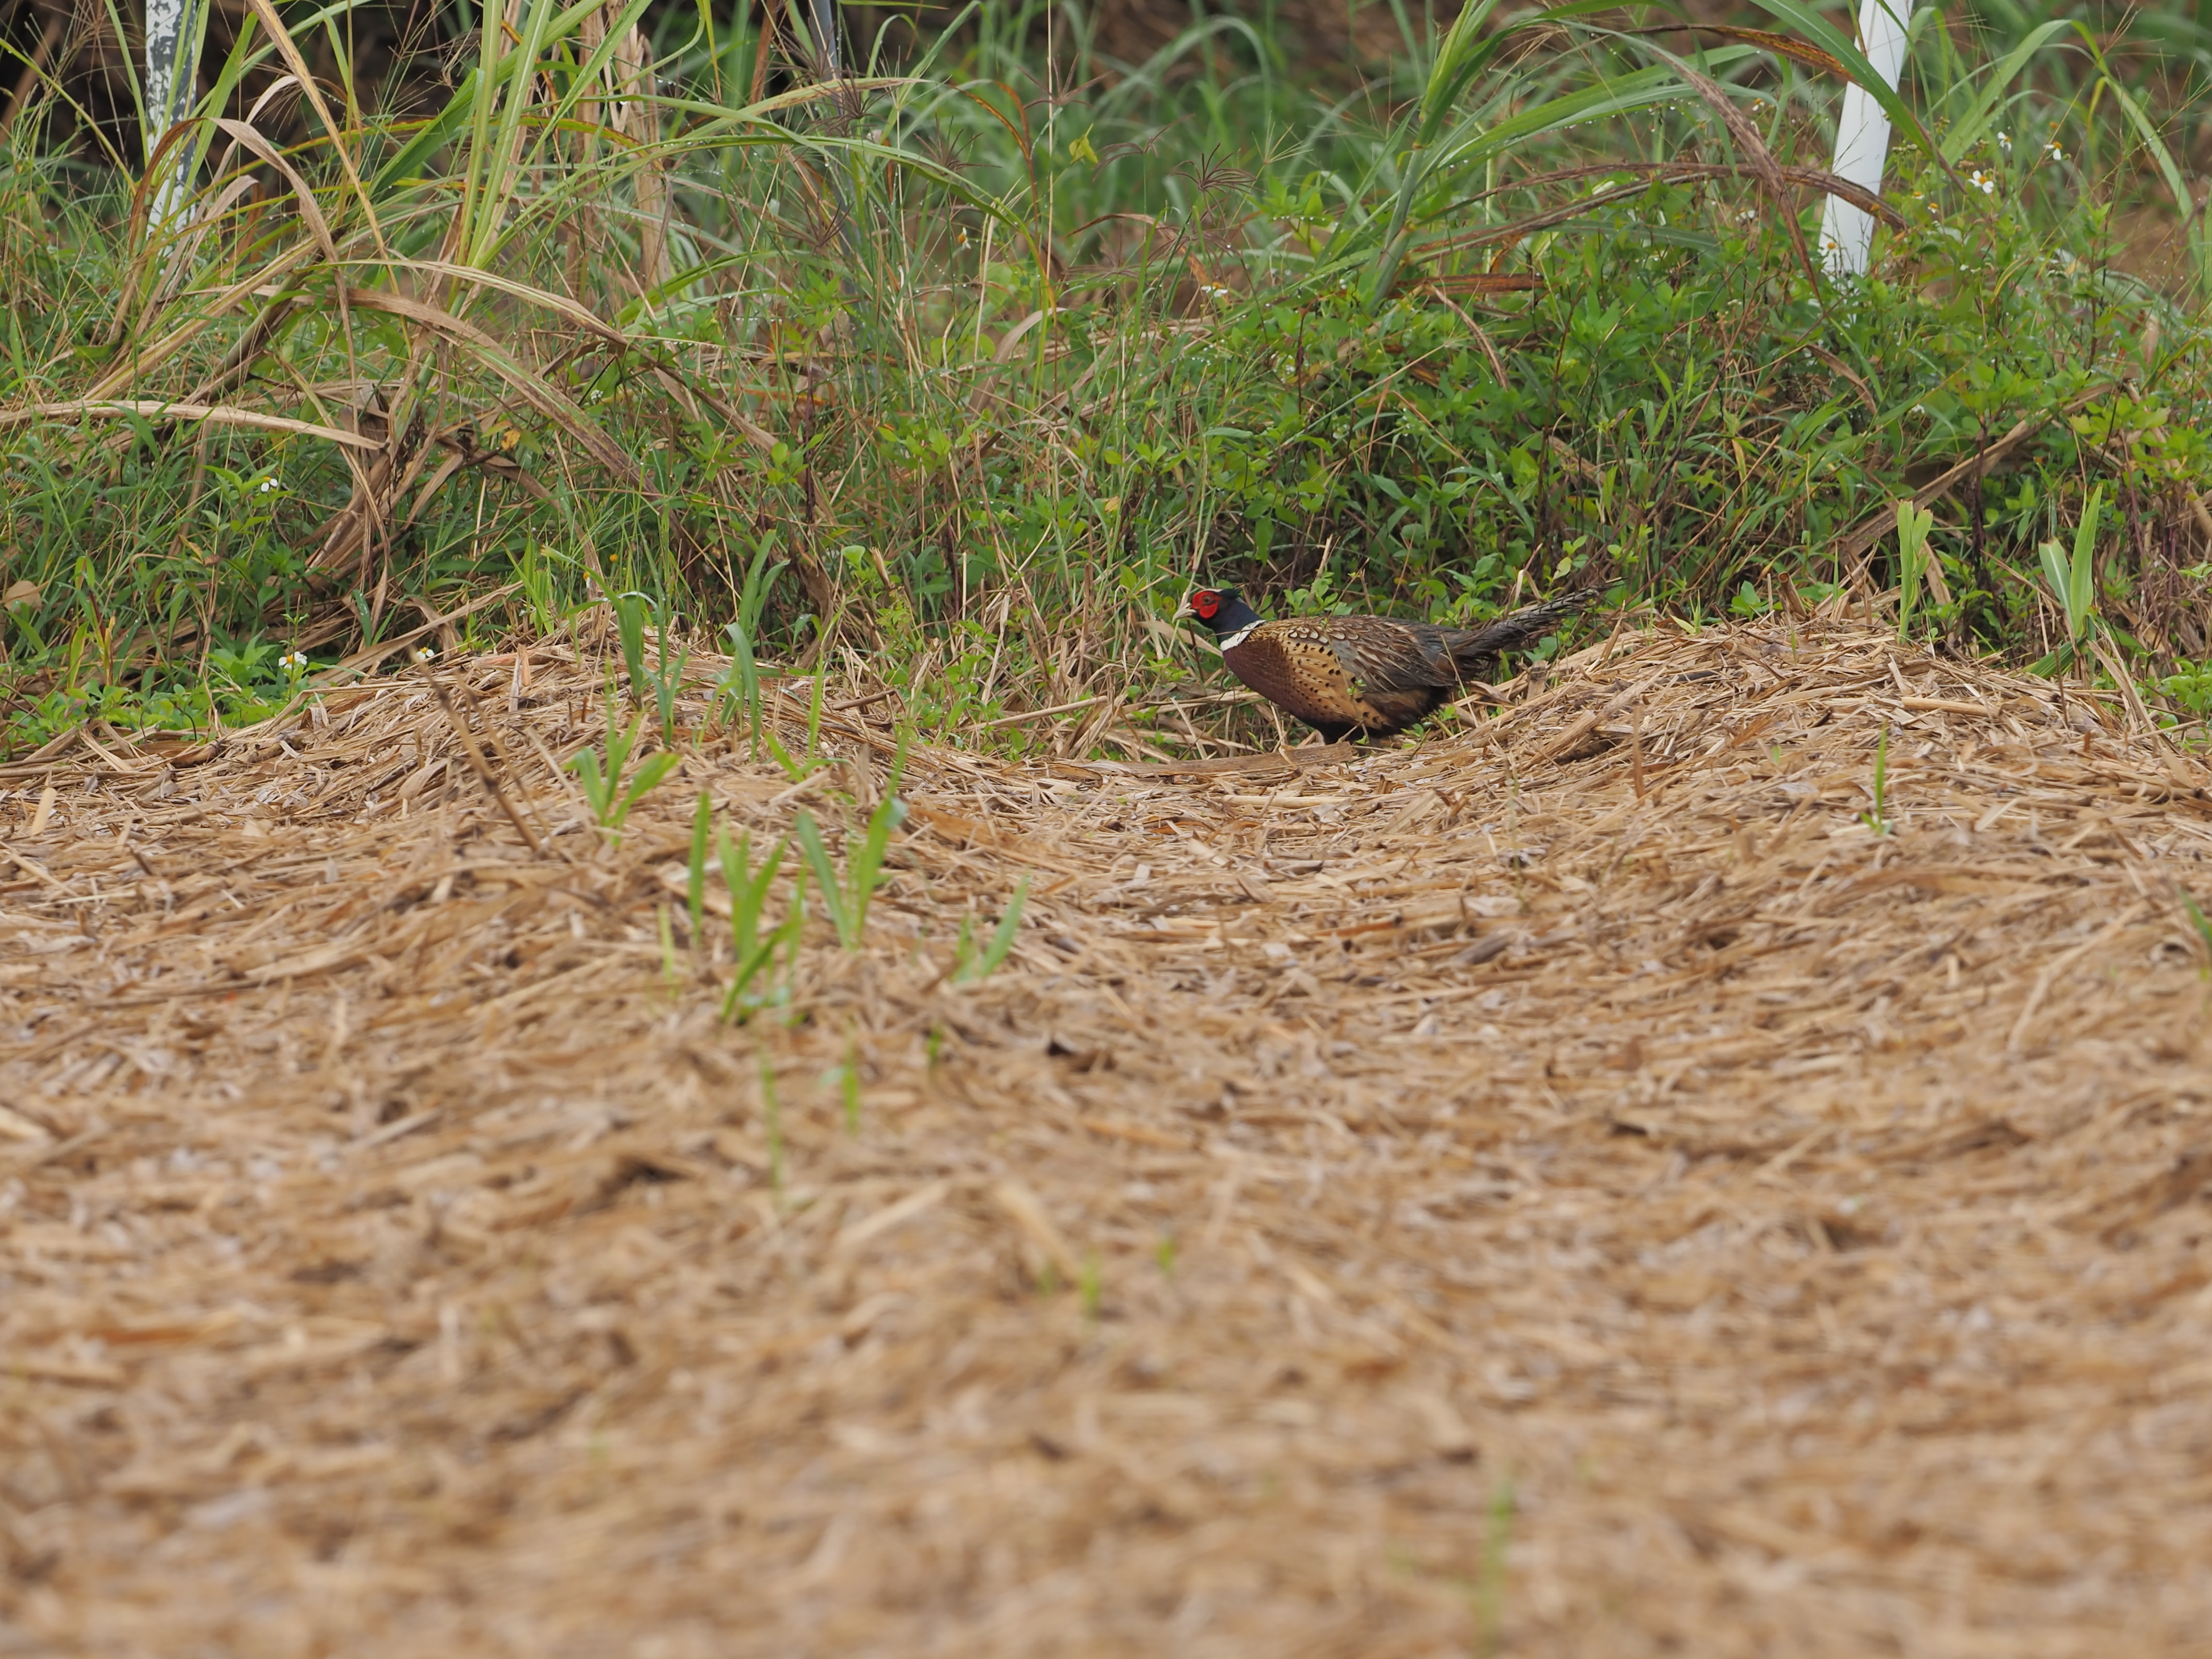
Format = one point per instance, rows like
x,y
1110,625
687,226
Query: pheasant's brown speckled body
x,y
1368,675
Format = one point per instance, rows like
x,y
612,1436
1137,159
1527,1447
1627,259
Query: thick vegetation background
x,y
972,347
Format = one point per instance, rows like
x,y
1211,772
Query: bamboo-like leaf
x,y
749,966
539,393
1782,45
1514,230
1819,178
1819,31
2184,198
310,210
152,409
493,172
588,78
1460,57
559,304
282,38
1966,131
2057,578
594,783
1748,145
1383,250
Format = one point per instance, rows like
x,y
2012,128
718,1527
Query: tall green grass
x,y
998,345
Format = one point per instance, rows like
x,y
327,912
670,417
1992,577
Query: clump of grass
x,y
1914,569
660,678
738,691
610,788
847,898
2073,584
753,950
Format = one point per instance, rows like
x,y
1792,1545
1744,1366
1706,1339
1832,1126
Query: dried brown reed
x,y
1576,1185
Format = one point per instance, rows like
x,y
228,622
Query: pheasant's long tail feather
x,y
1515,629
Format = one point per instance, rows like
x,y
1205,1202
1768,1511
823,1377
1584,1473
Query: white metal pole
x,y
1862,138
174,29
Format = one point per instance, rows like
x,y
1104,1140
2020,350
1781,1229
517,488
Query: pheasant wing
x,y
1382,656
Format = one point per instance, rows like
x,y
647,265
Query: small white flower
x,y
293,662
2004,143
268,485
425,653
1985,182
2052,150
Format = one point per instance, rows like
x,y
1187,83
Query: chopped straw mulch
x,y
1570,1186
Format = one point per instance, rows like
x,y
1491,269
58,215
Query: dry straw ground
x,y
1572,1187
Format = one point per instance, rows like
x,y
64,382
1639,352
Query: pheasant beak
x,y
1184,613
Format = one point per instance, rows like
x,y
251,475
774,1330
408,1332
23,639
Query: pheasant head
x,y
1223,611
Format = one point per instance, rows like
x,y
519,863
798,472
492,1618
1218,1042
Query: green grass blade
x,y
595,786
702,819
866,865
809,835
772,1122
656,768
749,889
794,768
748,967
850,1083
2059,578
2081,578
1967,131
629,621
1002,937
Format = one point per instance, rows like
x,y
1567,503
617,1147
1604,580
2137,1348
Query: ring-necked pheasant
x,y
1367,675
